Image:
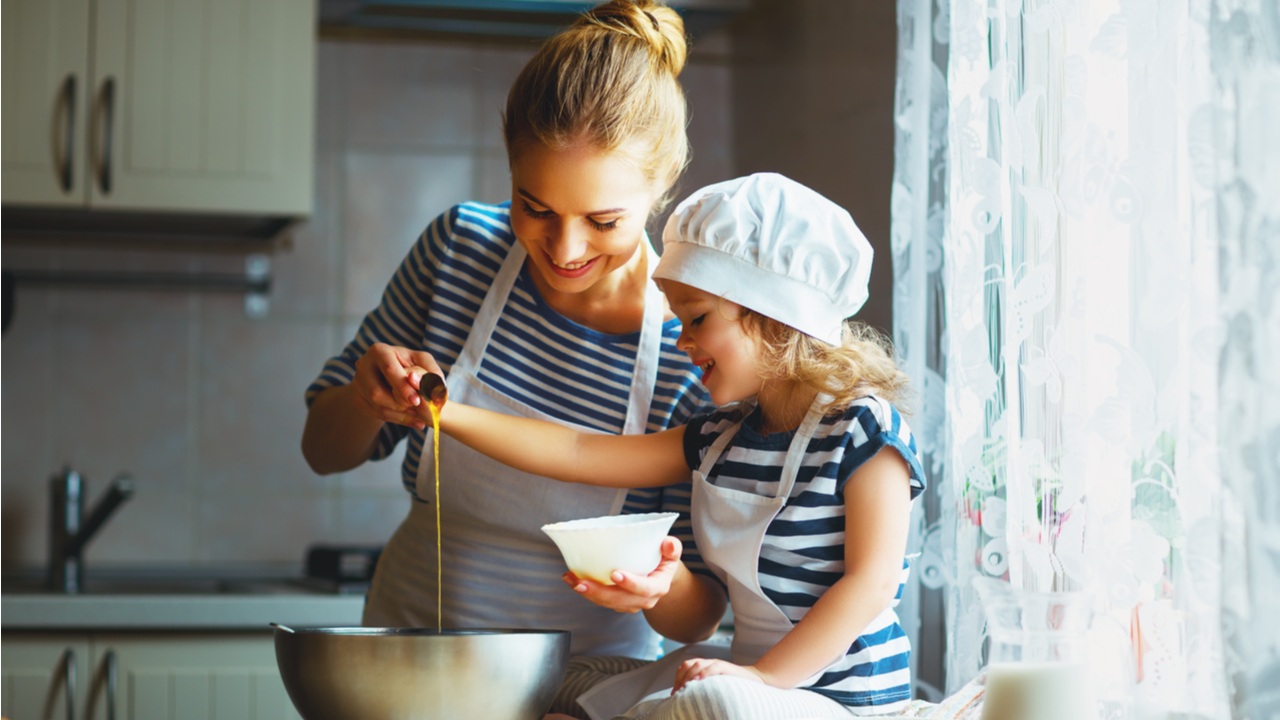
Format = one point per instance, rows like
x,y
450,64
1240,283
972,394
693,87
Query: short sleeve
x,y
702,431
400,319
874,424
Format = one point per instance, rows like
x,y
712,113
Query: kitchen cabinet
x,y
159,105
149,676
34,681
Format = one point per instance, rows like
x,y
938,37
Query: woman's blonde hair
x,y
862,365
609,79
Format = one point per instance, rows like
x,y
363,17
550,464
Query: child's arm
x,y
877,501
545,448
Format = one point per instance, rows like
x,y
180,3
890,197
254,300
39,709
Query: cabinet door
x,y
203,105
46,90
209,676
34,675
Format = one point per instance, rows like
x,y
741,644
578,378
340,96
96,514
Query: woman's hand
x,y
633,593
385,389
702,668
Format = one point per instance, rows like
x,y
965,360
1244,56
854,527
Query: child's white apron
x,y
729,526
500,569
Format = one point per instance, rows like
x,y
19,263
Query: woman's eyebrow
x,y
532,197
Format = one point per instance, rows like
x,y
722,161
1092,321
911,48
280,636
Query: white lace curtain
x,y
1086,247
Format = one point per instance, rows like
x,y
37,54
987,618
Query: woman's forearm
x,y
691,611
337,437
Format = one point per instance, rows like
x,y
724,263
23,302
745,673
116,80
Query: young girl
x,y
803,479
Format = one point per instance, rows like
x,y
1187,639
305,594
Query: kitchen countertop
x,y
179,598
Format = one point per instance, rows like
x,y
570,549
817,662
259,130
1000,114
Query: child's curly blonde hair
x,y
861,366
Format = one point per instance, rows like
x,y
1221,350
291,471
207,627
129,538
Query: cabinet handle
x,y
69,681
108,116
112,683
69,129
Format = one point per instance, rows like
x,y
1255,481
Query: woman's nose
x,y
565,243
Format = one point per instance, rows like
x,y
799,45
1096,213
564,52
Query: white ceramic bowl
x,y
595,547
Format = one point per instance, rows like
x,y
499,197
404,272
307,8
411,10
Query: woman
x,y
544,308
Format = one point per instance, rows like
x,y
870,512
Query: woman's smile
x,y
573,269
579,212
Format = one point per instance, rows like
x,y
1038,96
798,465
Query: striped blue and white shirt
x,y
536,355
803,550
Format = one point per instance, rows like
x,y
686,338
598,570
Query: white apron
x,y
729,527
500,569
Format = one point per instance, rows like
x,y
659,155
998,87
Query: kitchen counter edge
x,y
41,612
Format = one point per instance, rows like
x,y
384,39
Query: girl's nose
x,y
684,343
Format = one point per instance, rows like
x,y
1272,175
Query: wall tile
x,y
495,177
377,475
120,394
331,101
252,378
370,517
409,94
264,526
305,275
710,125
498,66
28,421
389,199
153,526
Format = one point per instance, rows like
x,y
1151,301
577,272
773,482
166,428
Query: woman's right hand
x,y
385,389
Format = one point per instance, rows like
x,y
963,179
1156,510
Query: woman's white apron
x,y
499,569
729,526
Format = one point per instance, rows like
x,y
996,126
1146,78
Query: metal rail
x,y
213,282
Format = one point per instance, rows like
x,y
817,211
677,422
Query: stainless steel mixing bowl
x,y
421,674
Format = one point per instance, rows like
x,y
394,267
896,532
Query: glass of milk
x,y
1037,667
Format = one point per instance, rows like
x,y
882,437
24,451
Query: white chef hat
x,y
774,246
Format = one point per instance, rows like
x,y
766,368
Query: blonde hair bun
x,y
658,25
610,79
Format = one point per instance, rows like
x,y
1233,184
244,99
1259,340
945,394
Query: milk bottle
x,y
1037,664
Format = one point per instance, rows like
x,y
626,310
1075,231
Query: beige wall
x,y
204,406
813,88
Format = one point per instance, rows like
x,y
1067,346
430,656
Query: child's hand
x,y
431,389
702,668
633,593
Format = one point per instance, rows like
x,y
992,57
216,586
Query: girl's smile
x,y
732,359
714,340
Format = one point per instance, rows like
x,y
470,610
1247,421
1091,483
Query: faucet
x,y
70,531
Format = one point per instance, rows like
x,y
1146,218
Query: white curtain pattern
x,y
1246,64
919,201
1086,212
